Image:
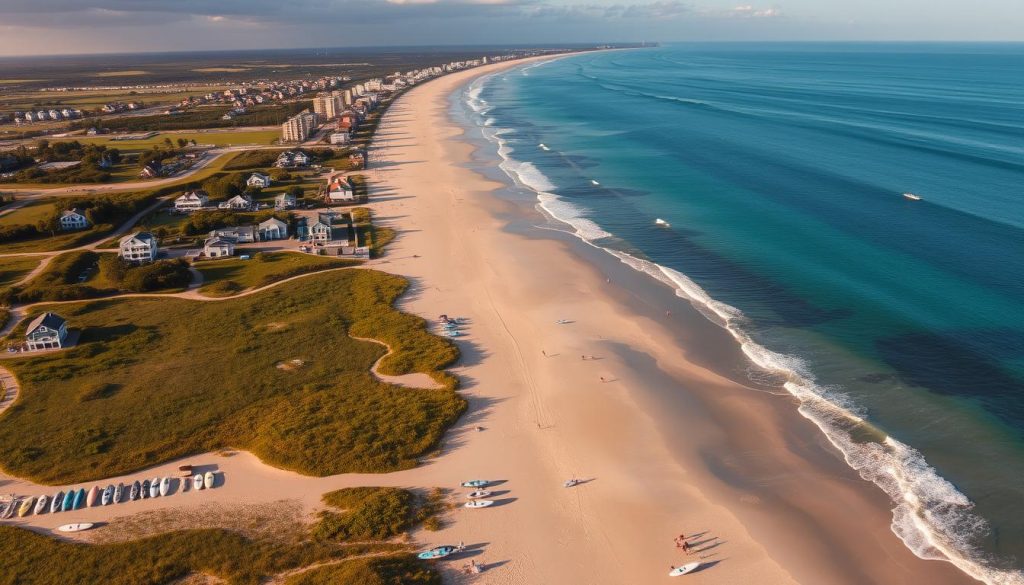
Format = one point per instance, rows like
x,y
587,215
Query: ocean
x,y
764,183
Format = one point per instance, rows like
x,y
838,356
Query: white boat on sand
x,y
75,527
687,568
478,504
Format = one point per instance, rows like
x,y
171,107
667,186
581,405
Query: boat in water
x,y
912,197
594,182
543,146
662,223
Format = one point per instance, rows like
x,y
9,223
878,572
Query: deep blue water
x,y
779,169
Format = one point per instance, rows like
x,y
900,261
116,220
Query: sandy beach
x,y
664,444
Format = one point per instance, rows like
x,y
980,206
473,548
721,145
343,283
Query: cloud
x,y
748,11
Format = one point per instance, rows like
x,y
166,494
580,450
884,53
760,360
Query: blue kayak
x,y
79,499
436,553
69,499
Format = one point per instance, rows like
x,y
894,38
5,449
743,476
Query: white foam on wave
x,y
930,515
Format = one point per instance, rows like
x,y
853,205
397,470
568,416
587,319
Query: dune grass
x,y
370,234
261,269
274,372
403,569
14,268
238,559
374,513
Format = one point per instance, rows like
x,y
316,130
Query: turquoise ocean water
x,y
777,173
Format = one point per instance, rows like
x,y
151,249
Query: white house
x,y
138,248
258,180
284,201
292,158
321,231
243,234
239,202
339,190
47,331
272,229
73,219
218,247
339,138
192,201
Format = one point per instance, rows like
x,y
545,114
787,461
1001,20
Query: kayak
x,y
476,483
90,500
154,487
108,495
145,489
478,494
79,499
197,481
478,504
165,486
41,504
135,491
436,553
55,504
69,500
688,568
209,479
118,493
26,506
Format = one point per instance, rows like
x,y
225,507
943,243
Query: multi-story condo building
x,y
299,128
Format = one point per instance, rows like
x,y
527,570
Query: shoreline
x,y
773,500
863,499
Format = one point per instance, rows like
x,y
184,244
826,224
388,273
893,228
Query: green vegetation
x,y
275,372
387,570
166,558
375,513
105,212
85,274
268,115
14,268
262,269
373,236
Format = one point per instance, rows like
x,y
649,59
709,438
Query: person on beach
x,y
686,547
544,352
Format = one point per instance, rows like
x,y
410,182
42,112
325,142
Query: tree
x,y
296,191
182,143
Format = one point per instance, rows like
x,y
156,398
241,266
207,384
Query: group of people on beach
x,y
682,545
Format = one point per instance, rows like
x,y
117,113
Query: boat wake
x,y
929,514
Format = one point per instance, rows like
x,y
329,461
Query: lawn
x,y
275,372
215,137
32,212
260,270
13,269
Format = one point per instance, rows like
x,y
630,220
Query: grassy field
x,y
215,137
374,236
95,98
372,513
385,570
260,270
14,269
275,373
32,212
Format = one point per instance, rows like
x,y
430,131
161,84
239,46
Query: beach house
x,y
47,331
242,234
258,180
272,229
339,190
284,201
218,247
238,203
152,170
191,201
138,248
73,219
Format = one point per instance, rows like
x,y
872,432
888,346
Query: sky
x,y
33,27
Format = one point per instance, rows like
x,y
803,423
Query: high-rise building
x,y
299,128
327,106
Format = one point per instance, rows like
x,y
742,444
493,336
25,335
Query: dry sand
x,y
654,467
